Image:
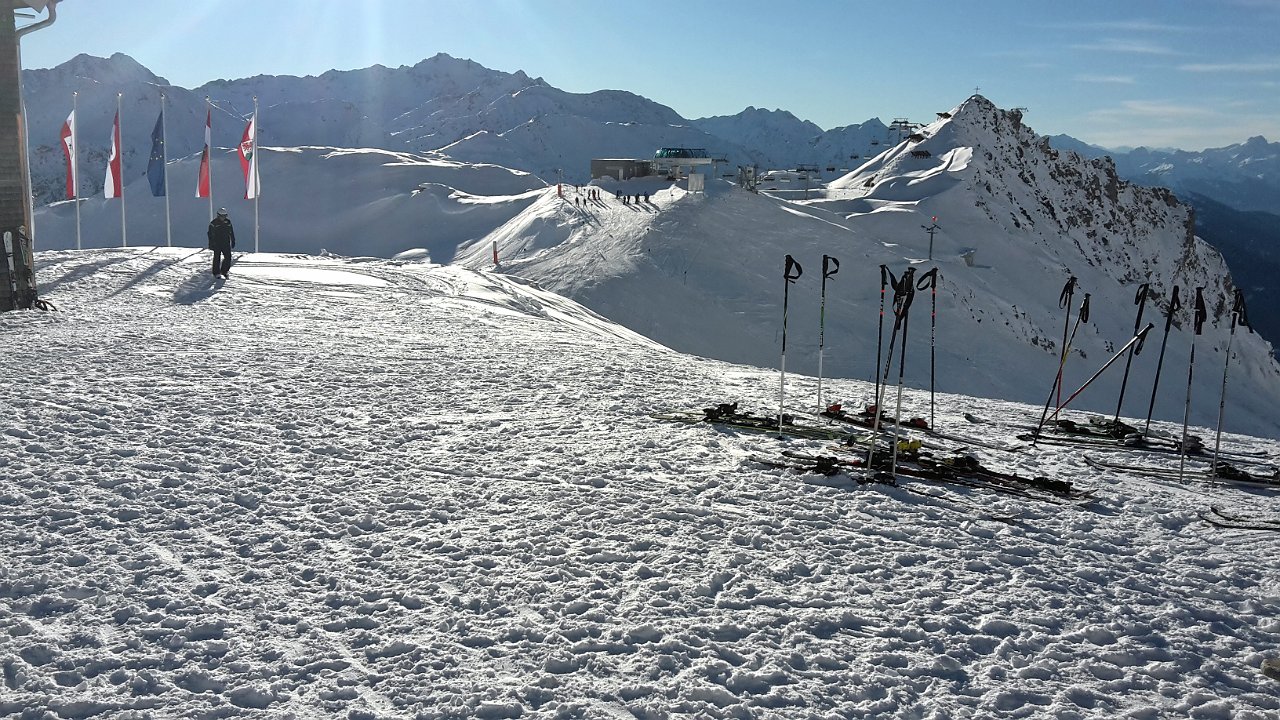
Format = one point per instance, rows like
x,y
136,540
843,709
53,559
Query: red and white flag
x,y
202,184
113,187
249,158
69,149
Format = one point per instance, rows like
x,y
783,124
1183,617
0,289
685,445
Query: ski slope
x,y
356,487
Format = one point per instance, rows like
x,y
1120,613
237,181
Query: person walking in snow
x,y
222,238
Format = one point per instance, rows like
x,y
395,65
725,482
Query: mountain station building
x,y
674,162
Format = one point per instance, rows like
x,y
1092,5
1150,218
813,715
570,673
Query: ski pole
x,y
902,364
787,279
900,305
1067,293
1083,316
1141,301
1174,306
822,319
1064,301
884,279
1238,317
1134,343
931,278
880,383
893,336
1200,315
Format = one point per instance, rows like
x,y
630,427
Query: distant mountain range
x,y
477,115
1245,176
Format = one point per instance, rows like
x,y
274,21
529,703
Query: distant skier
x,y
222,238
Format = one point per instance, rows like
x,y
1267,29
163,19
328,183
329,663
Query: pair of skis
x,y
867,420
728,416
960,470
1227,519
1218,472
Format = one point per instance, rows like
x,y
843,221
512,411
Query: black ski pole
x,y
1174,306
1238,317
1141,301
1134,342
1081,317
893,337
884,279
907,280
1064,301
787,279
900,303
931,279
822,318
1200,316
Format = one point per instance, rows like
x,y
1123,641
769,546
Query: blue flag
x,y
155,165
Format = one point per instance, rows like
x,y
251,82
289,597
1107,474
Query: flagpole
x,y
256,189
75,162
164,161
124,238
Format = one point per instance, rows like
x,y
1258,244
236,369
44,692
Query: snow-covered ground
x,y
358,488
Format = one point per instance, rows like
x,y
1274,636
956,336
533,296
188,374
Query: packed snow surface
x,y
347,487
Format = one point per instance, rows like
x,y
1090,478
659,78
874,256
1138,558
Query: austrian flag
x,y
249,158
113,188
202,180
69,149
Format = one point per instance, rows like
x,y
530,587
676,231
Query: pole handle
x,y
792,265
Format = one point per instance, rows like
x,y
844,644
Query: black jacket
x,y
221,234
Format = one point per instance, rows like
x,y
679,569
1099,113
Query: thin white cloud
x,y
1126,45
1244,67
1167,123
1106,79
1122,26
1135,110
1257,4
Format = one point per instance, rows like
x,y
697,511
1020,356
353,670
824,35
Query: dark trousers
x,y
221,260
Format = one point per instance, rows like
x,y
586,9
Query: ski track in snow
x,y
337,487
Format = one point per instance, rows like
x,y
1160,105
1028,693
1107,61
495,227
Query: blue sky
x,y
1175,73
